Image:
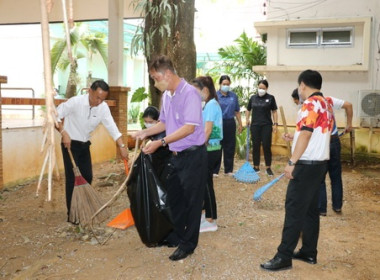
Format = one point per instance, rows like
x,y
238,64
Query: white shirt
x,y
81,119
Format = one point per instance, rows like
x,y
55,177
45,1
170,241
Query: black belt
x,y
311,162
80,143
334,136
188,150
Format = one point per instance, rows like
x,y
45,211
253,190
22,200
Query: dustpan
x,y
246,173
123,220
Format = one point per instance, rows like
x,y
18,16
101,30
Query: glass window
x,y
336,37
301,38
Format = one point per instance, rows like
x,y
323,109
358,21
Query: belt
x,y
311,162
188,150
334,136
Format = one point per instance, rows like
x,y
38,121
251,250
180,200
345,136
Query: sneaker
x,y
215,175
257,170
337,210
207,226
230,174
269,172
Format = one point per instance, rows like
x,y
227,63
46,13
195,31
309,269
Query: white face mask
x,y
147,125
225,88
261,92
203,104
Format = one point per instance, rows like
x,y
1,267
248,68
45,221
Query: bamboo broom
x,y
85,200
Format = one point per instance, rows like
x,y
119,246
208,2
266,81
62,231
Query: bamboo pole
x,y
285,129
51,113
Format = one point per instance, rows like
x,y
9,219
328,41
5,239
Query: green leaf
x,y
139,95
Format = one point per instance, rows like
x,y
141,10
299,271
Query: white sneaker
x,y
215,175
207,226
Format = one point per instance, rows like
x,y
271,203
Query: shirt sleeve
x,y
249,106
65,108
192,112
110,124
336,103
237,106
162,116
274,104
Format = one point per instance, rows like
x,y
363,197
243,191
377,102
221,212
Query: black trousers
x,y
228,146
210,200
186,187
82,156
301,210
261,135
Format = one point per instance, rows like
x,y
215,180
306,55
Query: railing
x,y
3,89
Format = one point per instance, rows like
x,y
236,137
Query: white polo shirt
x,y
81,119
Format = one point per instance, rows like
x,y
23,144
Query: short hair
x,y
100,84
151,112
264,82
161,64
311,78
295,94
209,84
224,77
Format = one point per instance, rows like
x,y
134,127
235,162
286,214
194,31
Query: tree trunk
x,y
71,88
180,46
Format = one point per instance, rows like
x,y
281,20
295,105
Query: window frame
x,y
319,37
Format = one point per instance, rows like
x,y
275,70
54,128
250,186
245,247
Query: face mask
x,y
161,85
147,125
261,92
225,88
203,103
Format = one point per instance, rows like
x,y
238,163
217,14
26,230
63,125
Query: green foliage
x,y
238,60
241,144
133,112
139,95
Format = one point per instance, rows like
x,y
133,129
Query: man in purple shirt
x,y
181,118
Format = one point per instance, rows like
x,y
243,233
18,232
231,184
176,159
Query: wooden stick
x,y
285,129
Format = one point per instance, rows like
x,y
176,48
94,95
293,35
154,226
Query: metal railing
x,y
3,89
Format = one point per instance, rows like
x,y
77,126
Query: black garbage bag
x,y
148,202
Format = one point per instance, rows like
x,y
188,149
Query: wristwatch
x,y
122,146
291,163
163,142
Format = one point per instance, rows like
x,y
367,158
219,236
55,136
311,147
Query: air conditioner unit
x,y
369,108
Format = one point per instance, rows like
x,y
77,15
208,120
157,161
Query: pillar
x,y
3,80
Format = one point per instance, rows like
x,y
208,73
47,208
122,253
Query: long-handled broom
x,y
246,173
85,200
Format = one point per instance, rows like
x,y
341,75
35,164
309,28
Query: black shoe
x,y
322,214
180,254
269,172
337,210
166,243
302,257
257,170
277,263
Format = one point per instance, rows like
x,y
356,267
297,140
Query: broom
x,y
85,200
246,173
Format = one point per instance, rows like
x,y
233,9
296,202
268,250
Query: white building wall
x,y
342,83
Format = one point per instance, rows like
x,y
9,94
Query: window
x,y
320,37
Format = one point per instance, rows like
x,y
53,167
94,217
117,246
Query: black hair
x,y
209,84
151,112
161,64
197,83
295,94
100,84
264,82
224,77
311,78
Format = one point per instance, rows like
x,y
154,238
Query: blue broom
x,y
246,173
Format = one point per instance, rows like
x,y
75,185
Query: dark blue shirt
x,y
229,104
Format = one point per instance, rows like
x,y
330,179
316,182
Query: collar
x,y
222,95
318,93
179,88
